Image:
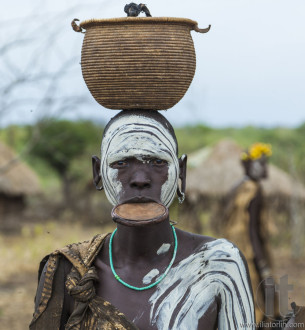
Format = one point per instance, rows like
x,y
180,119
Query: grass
x,y
22,253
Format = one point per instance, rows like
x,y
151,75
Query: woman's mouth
x,y
139,199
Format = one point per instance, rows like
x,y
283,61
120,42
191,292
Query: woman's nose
x,y
140,180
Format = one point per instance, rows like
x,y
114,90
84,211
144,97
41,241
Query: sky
x,y
250,66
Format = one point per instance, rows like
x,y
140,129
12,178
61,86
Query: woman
x,y
146,274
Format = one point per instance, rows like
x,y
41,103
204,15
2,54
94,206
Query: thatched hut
x,y
17,181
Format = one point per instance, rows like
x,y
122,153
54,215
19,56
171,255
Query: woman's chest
x,y
134,304
185,299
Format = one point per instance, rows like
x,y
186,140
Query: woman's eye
x,y
158,161
119,163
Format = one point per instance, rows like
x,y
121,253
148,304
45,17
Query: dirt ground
x,y
20,255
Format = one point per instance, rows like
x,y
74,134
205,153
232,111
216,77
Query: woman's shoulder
x,y
208,247
196,241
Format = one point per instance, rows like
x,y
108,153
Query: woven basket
x,y
138,62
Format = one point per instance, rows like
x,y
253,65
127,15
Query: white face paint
x,y
163,248
148,277
140,137
216,270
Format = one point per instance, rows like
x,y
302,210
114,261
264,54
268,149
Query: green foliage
x,y
14,136
62,142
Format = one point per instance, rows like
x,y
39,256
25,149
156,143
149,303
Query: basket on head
x,y
138,62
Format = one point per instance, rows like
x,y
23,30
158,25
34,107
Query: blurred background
x,y
249,86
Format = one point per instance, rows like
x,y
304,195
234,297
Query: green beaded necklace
x,y
148,286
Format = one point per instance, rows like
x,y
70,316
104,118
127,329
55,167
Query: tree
x,y
60,143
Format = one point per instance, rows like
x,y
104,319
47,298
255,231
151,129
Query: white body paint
x,y
137,317
138,136
163,248
216,269
148,277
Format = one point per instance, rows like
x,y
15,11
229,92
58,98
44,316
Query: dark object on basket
x,y
134,10
75,27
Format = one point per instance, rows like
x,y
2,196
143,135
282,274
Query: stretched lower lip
x,y
140,200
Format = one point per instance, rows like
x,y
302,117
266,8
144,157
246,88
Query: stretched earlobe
x,y
182,177
96,170
181,195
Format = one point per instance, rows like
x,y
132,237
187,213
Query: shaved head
x,y
145,113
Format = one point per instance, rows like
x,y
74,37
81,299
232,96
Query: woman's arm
x,y
52,293
236,307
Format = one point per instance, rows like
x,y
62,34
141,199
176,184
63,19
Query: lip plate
x,y
139,223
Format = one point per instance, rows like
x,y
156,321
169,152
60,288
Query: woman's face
x,y
141,180
258,169
139,161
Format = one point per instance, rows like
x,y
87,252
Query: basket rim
x,y
133,20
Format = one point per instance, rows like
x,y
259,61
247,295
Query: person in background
x,y
243,224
